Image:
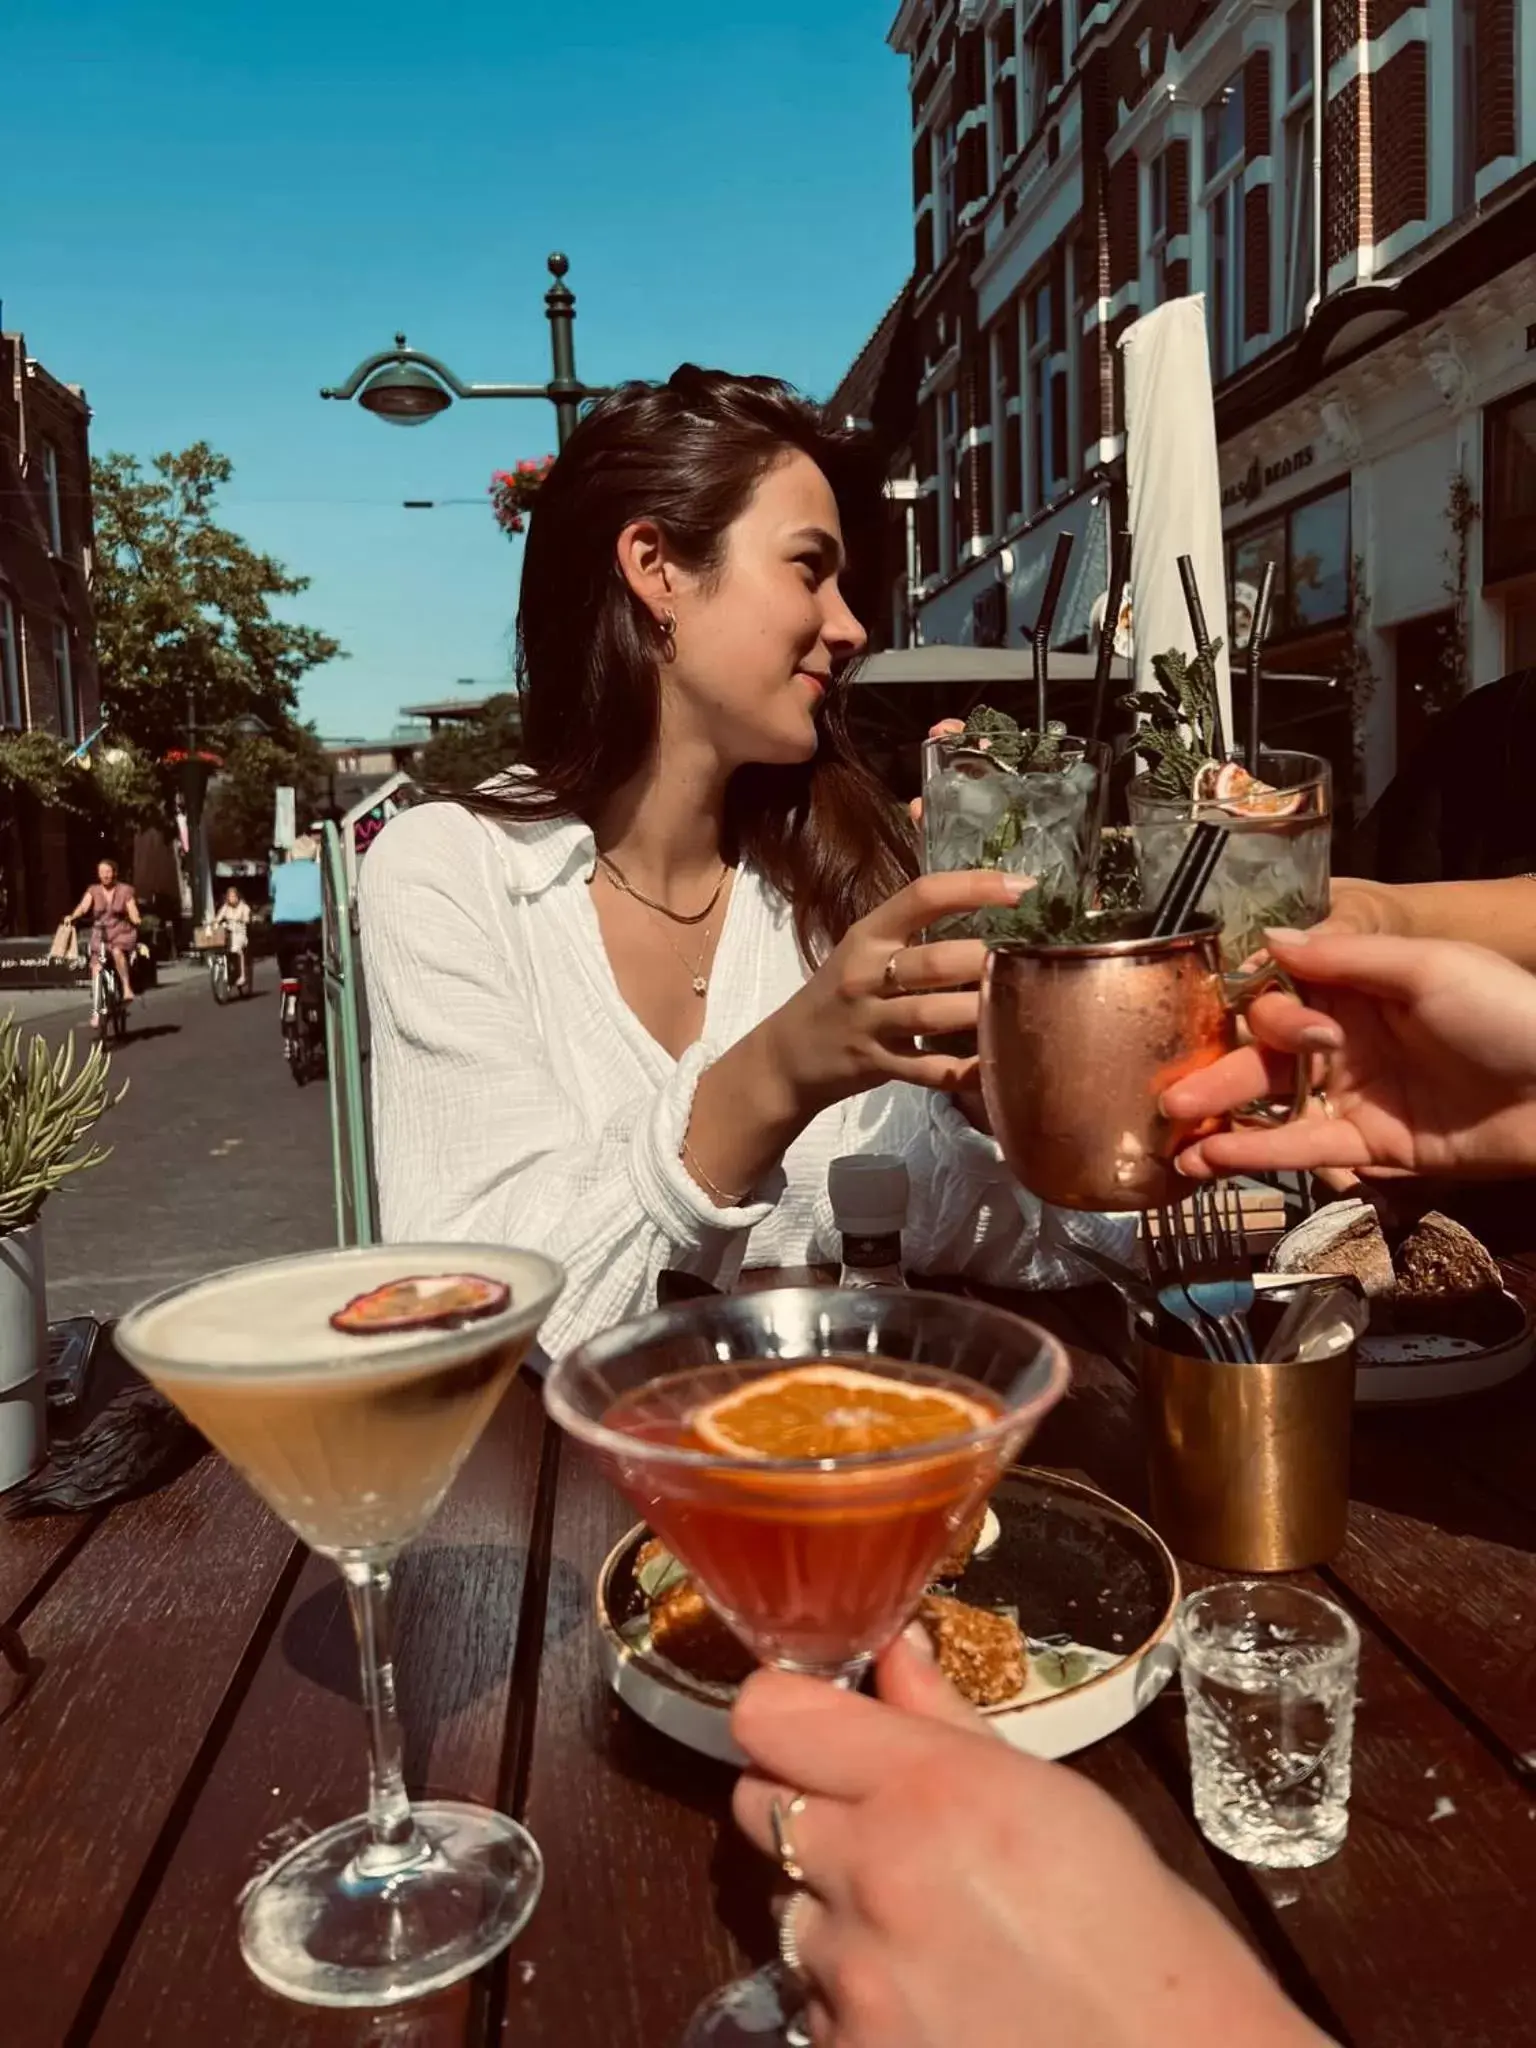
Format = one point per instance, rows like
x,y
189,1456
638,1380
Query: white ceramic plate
x,y
1400,1369
1071,1561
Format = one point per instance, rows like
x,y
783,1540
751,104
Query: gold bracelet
x,y
717,1195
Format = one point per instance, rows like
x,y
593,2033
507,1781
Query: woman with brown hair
x,y
632,1000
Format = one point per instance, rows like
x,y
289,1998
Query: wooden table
x,y
195,1713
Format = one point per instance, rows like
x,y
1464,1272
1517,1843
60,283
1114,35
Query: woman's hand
x,y
853,1024
935,732
965,1893
1431,1068
1369,909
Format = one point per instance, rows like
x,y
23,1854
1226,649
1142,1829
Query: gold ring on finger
x,y
891,980
1320,1097
779,1818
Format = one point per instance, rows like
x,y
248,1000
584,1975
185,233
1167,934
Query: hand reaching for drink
x,y
1426,1063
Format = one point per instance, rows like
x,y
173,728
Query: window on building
x,y
10,666
1300,213
1007,421
1509,488
1298,49
1047,393
1309,545
1317,562
1223,201
1042,62
1157,228
944,186
1463,104
51,486
1005,94
64,683
951,529
1245,572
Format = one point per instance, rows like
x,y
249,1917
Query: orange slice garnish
x,y
438,1301
834,1411
1227,787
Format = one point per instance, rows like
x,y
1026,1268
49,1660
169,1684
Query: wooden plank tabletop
x,y
195,1712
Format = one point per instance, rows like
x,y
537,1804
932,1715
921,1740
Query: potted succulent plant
x,y
49,1103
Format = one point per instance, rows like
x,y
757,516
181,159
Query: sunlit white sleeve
x,y
475,1138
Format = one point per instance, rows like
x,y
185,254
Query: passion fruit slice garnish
x,y
422,1301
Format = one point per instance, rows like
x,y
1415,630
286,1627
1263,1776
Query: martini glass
x,y
354,1440
816,1563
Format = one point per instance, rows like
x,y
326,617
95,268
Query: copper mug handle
x,y
1238,995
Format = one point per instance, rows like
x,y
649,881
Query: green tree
x,y
241,800
183,605
471,750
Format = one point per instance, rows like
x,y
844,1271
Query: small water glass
x,y
1269,1694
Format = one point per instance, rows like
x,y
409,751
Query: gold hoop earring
x,y
668,625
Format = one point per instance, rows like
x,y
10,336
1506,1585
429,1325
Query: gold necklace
x,y
696,974
615,875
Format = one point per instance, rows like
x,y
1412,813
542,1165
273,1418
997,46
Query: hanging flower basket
x,y
193,772
513,492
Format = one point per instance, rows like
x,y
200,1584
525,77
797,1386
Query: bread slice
x,y
1440,1259
1342,1237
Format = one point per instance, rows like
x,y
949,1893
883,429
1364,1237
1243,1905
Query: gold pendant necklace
x,y
697,977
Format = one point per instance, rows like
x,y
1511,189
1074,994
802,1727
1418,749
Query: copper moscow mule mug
x,y
1078,1043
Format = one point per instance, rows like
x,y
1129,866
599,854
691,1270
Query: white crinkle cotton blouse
x,y
519,1100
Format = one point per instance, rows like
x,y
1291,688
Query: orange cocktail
x,y
808,1454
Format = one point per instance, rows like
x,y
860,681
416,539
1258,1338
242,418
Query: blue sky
x,y
212,209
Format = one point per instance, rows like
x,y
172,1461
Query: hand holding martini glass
x,y
807,1454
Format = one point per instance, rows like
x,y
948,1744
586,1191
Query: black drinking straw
x,y
1258,633
1040,638
1187,884
1202,635
1119,569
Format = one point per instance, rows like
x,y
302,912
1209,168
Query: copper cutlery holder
x,y
1248,1465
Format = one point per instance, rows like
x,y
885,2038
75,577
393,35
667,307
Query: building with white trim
x,y
1371,305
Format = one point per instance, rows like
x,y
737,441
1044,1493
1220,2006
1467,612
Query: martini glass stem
x,y
394,1843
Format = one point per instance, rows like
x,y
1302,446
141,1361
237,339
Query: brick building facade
x,y
1077,162
48,680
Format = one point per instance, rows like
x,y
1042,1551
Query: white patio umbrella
x,y
1174,488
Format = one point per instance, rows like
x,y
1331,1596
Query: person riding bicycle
x,y
114,913
234,916
296,906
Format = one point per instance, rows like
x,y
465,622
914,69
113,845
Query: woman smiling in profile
x,y
632,1000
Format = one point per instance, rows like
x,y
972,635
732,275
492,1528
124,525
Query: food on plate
x,y
962,1545
1344,1238
1440,1259
422,1302
1438,1277
683,1627
981,1653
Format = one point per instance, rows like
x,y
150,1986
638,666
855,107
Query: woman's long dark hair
x,y
688,454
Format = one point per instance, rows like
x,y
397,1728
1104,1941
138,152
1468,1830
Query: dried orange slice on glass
x,y
834,1411
1229,786
436,1301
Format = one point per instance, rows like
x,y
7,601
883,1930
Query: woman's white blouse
x,y
518,1100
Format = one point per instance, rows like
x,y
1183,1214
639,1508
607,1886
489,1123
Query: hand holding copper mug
x,y
1079,1043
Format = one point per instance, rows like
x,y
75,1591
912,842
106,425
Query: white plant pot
x,y
23,1354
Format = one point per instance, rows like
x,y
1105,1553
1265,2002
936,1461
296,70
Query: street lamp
x,y
407,387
